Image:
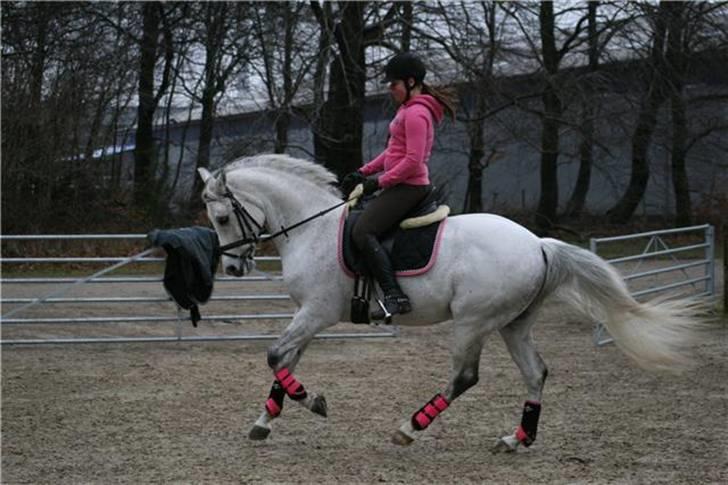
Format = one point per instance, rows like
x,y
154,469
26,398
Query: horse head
x,y
237,221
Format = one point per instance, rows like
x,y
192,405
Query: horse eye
x,y
223,220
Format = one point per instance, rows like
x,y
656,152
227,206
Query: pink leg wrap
x,y
274,404
272,407
424,417
290,384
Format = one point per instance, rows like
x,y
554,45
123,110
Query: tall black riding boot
x,y
381,267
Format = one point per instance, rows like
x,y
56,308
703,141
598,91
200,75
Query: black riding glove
x,y
350,181
371,185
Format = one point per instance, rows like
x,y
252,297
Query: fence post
x,y
710,255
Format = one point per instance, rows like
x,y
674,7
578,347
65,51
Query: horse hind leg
x,y
464,375
517,336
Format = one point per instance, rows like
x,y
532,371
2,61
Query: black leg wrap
x,y
274,404
277,393
529,423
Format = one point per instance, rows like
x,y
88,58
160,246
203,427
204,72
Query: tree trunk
x,y
144,152
407,22
576,203
676,67
683,207
207,124
282,123
283,118
340,144
549,199
324,16
646,122
474,194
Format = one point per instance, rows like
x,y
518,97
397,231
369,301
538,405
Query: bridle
x,y
251,228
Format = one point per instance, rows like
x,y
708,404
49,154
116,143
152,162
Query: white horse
x,y
491,275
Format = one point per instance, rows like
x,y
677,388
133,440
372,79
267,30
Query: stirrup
x,y
394,304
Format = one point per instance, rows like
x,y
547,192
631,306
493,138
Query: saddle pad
x,y
413,251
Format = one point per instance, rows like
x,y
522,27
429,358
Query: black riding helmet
x,y
404,66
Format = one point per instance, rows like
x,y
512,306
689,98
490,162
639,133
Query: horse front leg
x,y
283,357
468,344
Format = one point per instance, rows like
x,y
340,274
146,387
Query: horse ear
x,y
204,174
221,183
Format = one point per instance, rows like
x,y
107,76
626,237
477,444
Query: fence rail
x,y
180,318
657,247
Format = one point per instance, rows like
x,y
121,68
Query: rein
x,y
246,221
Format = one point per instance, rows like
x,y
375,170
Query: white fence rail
x,y
10,305
667,264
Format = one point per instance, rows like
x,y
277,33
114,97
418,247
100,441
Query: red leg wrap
x,y
424,417
293,388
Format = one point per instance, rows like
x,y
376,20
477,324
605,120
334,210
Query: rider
x,y
402,168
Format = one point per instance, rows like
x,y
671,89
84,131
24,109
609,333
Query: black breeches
x,y
386,211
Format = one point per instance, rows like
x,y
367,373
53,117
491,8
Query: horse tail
x,y
657,335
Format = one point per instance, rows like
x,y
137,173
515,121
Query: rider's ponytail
x,y
445,95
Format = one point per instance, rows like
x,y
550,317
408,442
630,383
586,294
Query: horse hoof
x,y
259,433
318,406
401,439
504,445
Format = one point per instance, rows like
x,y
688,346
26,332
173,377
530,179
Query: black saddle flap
x,y
409,249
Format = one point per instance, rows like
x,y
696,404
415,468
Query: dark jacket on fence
x,y
192,257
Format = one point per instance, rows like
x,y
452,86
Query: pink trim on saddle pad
x,y
409,272
433,256
340,243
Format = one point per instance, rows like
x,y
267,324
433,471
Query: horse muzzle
x,y
239,267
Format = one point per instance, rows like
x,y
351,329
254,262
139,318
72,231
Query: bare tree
x,y
575,206
688,40
286,60
221,31
66,79
666,21
473,41
154,27
338,135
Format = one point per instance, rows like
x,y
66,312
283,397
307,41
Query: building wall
x,y
511,183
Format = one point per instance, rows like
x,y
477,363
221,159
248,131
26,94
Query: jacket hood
x,y
435,107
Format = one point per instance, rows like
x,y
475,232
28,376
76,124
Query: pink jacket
x,y
411,133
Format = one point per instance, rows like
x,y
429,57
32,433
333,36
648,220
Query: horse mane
x,y
305,169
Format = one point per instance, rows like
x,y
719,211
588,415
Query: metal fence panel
x,y
180,318
657,248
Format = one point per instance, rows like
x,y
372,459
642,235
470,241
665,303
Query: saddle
x,y
412,247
